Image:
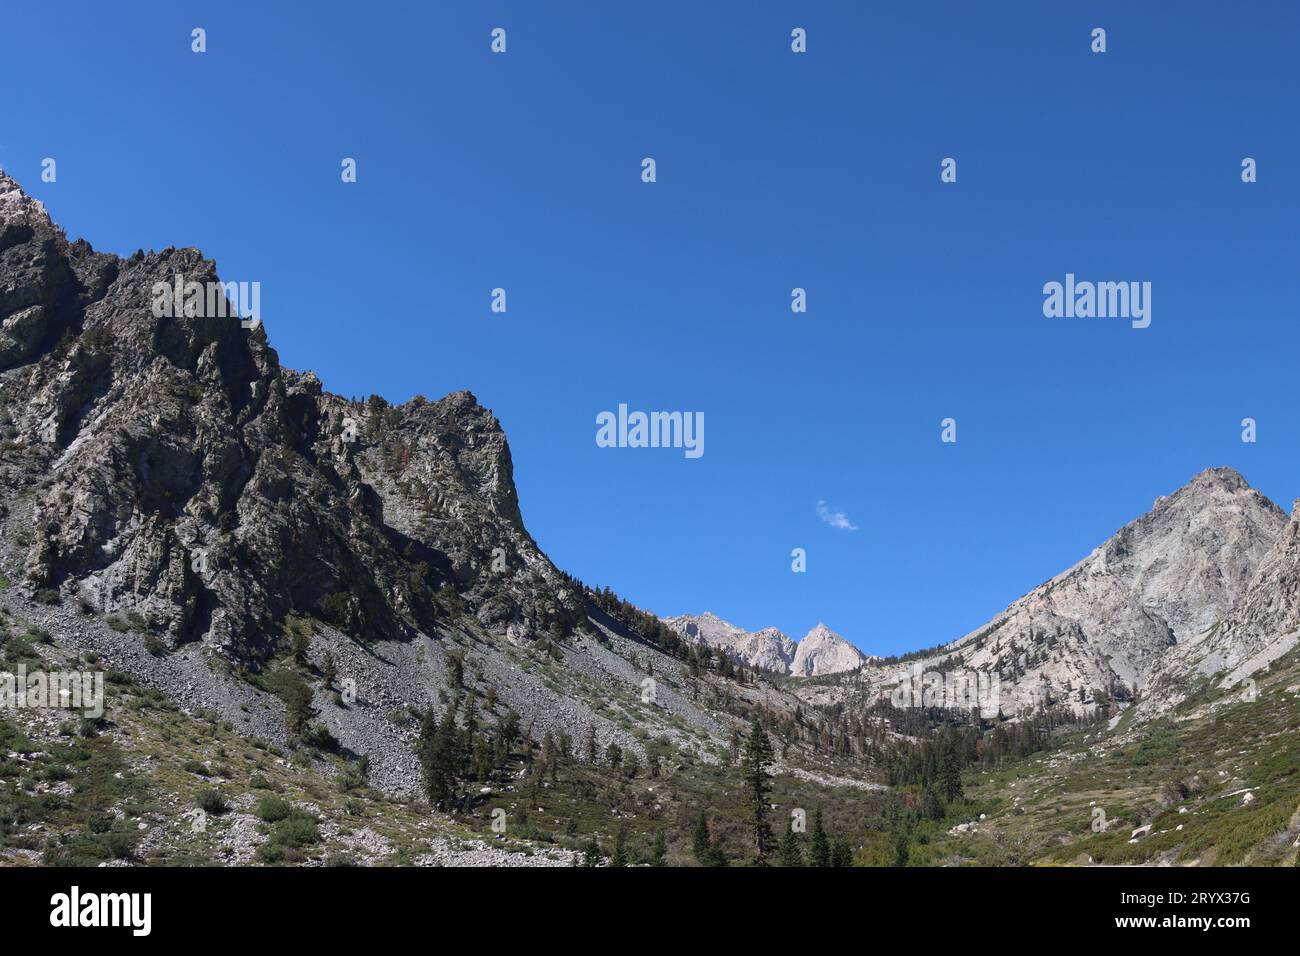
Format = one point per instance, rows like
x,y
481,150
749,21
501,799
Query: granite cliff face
x,y
171,468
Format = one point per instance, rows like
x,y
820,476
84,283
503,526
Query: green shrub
x,y
274,809
121,846
297,830
211,801
319,738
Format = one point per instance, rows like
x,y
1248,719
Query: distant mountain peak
x,y
821,651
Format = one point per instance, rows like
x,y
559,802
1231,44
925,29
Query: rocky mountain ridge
x,y
175,470
820,652
1100,632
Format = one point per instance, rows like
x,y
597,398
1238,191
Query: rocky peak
x,y
175,470
17,208
767,649
1106,625
822,651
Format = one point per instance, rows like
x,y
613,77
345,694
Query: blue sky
x,y
775,170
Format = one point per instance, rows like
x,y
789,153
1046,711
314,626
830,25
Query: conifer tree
x,y
439,750
819,850
758,757
841,853
707,852
950,773
659,853
620,847
791,852
931,805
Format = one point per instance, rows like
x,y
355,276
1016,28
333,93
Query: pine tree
x,y
659,853
471,720
819,850
901,849
426,745
841,853
950,774
329,671
298,710
791,852
758,757
620,847
439,750
707,853
931,805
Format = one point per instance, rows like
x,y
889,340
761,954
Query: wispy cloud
x,y
836,519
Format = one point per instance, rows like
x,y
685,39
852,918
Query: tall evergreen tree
x,y
841,852
819,849
791,852
931,805
707,851
659,853
950,773
758,757
439,749
620,847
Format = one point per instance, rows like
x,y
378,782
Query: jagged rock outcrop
x,y
822,651
169,466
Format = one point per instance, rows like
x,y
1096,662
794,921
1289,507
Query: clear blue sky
x,y
774,171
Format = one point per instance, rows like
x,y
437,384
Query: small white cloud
x,y
836,519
